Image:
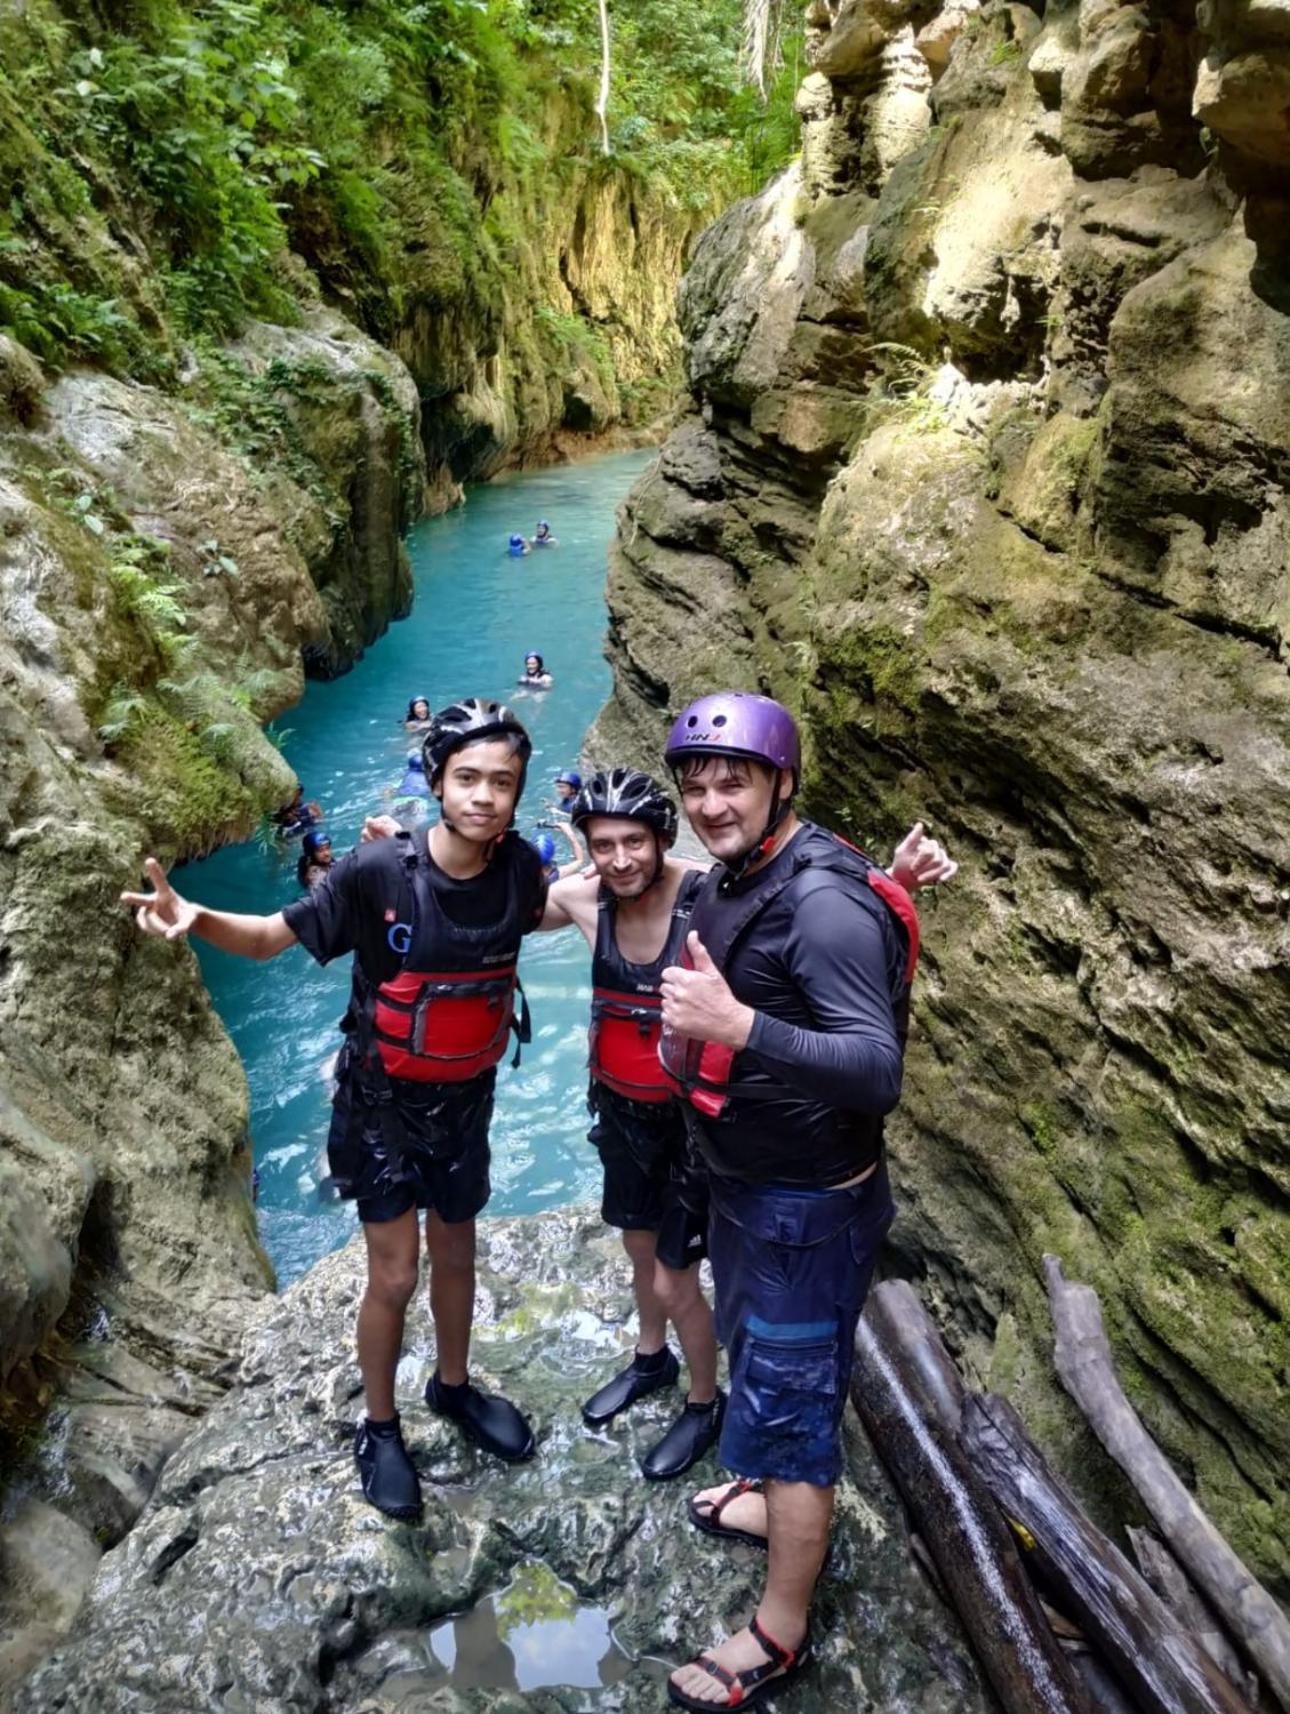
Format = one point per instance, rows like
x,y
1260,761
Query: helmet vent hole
x,y
718,719
692,721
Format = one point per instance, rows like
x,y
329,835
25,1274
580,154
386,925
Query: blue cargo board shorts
x,y
791,1269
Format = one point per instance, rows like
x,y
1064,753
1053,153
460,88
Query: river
x,y
477,612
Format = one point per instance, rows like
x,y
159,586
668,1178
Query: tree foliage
x,y
222,136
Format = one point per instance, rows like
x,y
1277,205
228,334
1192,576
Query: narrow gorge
x,y
977,422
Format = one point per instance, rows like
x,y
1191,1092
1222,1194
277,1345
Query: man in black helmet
x,y
633,912
435,932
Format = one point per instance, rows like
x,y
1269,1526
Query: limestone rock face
x,y
258,1576
159,594
1030,581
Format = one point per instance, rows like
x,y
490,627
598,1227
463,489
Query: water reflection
x,y
532,1635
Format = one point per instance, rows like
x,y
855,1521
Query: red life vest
x,y
701,1071
626,1006
448,1013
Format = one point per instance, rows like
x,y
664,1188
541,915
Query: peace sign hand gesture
x,y
162,912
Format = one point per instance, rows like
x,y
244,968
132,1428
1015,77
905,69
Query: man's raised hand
x,y
920,861
163,911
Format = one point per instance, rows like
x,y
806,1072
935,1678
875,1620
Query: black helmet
x,y
470,721
627,795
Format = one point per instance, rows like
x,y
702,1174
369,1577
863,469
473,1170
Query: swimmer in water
x,y
296,817
315,858
535,675
543,842
567,786
517,547
418,715
544,538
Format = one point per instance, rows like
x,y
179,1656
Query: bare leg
x,y
639,1245
678,1290
391,1280
451,1249
799,1517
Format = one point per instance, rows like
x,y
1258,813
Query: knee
x,y
392,1283
452,1249
676,1289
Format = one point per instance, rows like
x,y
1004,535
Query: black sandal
x,y
710,1521
754,1682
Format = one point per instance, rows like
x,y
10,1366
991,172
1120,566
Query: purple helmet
x,y
736,723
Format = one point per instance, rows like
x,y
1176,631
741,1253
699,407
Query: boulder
x,y
258,1577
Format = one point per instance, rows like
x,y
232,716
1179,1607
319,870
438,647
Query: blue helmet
x,y
314,840
544,845
516,541
569,778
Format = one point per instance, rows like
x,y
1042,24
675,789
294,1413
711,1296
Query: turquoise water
x,y
477,612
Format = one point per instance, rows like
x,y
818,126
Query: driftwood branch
x,y
1087,1369
1163,1572
1164,1668
969,1541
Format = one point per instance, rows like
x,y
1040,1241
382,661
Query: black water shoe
x,y
693,1433
386,1472
492,1423
643,1376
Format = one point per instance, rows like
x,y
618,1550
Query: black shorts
x,y
434,1155
652,1182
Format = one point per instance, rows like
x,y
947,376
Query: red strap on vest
x,y
899,903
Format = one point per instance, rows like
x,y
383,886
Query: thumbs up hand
x,y
698,1002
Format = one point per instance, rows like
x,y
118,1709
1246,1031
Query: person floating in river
x,y
544,538
517,547
783,1031
423,916
418,715
535,676
543,843
297,817
315,860
567,786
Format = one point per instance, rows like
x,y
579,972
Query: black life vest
x,y
626,1006
447,1014
701,1071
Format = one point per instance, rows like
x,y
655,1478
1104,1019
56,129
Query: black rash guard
x,y
820,967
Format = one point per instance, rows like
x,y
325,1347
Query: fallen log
x,y
1163,1572
1104,1689
1087,1369
970,1542
1159,1662
895,1311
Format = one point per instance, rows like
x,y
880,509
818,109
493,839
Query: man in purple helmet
x,y
784,1031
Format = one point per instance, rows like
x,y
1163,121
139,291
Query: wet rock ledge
x,y
257,1579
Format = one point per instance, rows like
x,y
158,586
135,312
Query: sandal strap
x,y
741,1485
779,1655
722,1674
